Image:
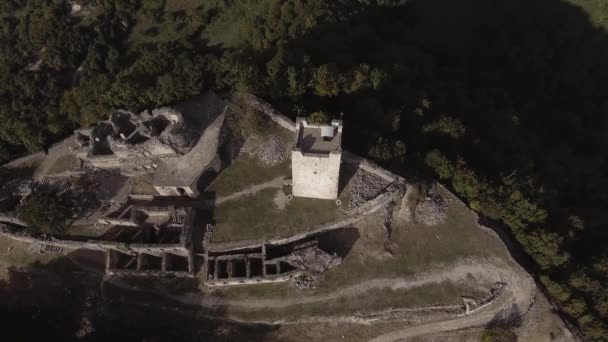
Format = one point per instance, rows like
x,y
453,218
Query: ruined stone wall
x,y
154,249
268,110
175,191
154,148
7,232
257,280
369,166
393,193
315,175
104,161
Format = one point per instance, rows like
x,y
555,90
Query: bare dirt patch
x,y
280,199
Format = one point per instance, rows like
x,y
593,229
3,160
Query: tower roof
x,y
319,139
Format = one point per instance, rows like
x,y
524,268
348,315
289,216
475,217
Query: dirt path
x,y
471,321
274,183
519,287
517,301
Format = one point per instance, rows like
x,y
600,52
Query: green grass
x,y
244,172
256,217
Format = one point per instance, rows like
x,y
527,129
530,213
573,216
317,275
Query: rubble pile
x,y
431,211
365,187
304,281
272,151
314,260
179,135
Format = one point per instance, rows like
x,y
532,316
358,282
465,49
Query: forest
x,y
500,100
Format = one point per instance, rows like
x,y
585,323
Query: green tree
x,y
357,79
47,211
442,166
326,80
447,126
296,81
321,117
497,333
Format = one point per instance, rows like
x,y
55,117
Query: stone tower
x,y
315,159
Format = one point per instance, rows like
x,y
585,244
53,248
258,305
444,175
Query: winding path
x,y
485,270
514,301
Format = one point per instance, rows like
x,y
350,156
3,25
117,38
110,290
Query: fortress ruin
x,y
177,144
152,220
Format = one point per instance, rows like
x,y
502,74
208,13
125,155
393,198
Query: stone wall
x,y
175,191
315,175
257,280
154,249
268,110
369,166
7,232
393,193
104,161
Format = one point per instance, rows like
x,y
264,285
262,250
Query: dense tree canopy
x,y
501,100
47,211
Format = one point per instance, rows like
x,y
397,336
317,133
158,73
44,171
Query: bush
x,y
320,118
47,211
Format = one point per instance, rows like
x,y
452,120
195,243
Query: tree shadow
x,y
347,172
501,327
68,299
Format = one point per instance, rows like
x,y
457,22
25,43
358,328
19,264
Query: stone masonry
x,y
316,159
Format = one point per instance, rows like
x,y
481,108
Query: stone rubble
x,y
431,211
304,281
365,187
313,260
272,151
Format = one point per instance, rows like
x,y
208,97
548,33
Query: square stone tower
x,y
315,159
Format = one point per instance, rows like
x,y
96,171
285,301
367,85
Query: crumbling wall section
x,y
15,234
369,166
264,107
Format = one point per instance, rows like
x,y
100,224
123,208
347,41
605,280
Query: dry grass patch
x,y
414,247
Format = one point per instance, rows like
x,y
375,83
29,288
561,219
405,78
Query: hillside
x,y
501,101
